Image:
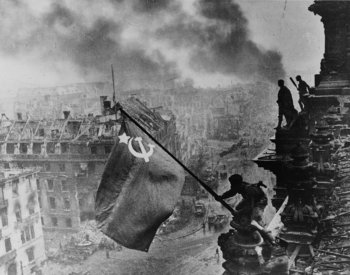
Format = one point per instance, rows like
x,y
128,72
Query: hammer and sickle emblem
x,y
144,154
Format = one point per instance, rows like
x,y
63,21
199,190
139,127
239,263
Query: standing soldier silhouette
x,y
285,106
304,90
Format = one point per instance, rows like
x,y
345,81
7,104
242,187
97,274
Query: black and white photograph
x,y
174,137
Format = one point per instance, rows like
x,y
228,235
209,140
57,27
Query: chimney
x,y
107,104
66,114
102,100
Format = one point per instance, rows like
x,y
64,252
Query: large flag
x,y
139,189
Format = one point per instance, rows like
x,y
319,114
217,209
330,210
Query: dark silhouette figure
x,y
304,90
252,194
285,106
250,210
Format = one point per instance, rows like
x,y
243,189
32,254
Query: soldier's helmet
x,y
298,77
235,179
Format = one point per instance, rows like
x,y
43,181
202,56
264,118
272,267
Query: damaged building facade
x,y
70,154
22,248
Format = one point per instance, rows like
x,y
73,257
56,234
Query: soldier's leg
x,y
289,117
280,117
305,102
301,103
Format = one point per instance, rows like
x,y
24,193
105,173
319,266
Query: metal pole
x,y
113,83
206,187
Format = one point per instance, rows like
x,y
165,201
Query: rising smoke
x,y
150,42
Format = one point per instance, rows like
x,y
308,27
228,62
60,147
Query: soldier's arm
x,y
308,87
228,194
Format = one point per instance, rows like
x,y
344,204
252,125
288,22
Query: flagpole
x,y
113,83
205,186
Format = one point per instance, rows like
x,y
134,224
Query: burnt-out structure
x,y
21,235
70,154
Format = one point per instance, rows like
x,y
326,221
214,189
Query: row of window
x,y
29,251
76,167
64,185
66,203
18,213
27,234
50,148
61,167
54,222
15,184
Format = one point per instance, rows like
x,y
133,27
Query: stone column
x,y
336,63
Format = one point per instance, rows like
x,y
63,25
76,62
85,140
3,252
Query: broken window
x,y
108,149
10,148
80,149
64,147
47,166
66,204
82,170
54,221
36,148
50,148
91,167
8,246
69,222
41,132
31,205
30,253
29,178
23,239
15,187
64,185
52,202
2,197
27,233
32,232
62,167
50,184
54,133
18,214
93,150
4,217
39,200
23,148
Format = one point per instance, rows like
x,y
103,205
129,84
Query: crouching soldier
x,y
250,210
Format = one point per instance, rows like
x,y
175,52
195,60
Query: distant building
x,y
22,248
71,154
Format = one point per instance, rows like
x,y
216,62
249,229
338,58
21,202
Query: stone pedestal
x,y
334,77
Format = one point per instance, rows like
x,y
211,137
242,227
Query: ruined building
x,y
21,235
70,154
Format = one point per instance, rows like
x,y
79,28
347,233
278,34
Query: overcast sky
x,y
48,44
289,27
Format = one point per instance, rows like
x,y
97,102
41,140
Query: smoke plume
x,y
150,42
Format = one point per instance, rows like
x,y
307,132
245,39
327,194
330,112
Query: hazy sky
x,y
48,42
289,27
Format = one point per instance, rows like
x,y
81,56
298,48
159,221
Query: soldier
x,y
250,210
285,106
304,90
252,194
